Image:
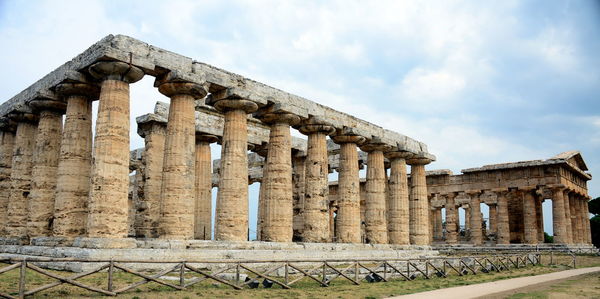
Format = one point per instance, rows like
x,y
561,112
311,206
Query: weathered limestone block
x,y
232,197
529,216
7,142
503,235
398,204
476,221
75,161
348,214
375,213
203,202
108,209
316,205
418,203
299,187
45,165
148,212
568,222
178,182
277,209
451,219
22,163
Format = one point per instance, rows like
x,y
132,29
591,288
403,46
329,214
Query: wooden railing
x,y
275,272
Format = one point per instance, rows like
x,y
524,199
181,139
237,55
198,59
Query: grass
x,y
585,286
303,289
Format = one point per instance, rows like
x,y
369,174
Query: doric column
x,y
22,163
398,206
558,214
579,217
503,228
136,196
75,161
375,212
178,181
539,216
439,233
299,183
316,202
45,165
277,213
587,225
467,219
574,220
7,142
529,215
232,197
493,218
476,221
109,179
203,202
348,215
451,219
569,237
154,131
418,203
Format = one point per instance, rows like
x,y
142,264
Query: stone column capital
x,y
116,70
316,124
206,138
371,146
24,117
7,124
150,125
173,88
556,187
48,104
341,139
279,118
91,91
399,155
418,161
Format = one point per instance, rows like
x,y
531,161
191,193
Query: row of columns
x,y
570,217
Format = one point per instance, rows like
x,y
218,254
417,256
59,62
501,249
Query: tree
x,y
594,208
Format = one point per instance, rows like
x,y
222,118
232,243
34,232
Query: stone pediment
x,y
573,157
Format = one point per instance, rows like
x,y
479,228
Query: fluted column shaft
x,y
277,221
178,190
232,197
22,163
587,225
44,173
539,216
493,218
451,219
398,211
7,142
316,204
529,217
75,162
579,216
503,234
574,220
467,219
558,216
438,224
299,183
348,215
476,221
108,208
419,205
375,213
568,222
203,202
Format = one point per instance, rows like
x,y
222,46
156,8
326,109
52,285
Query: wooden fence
x,y
285,274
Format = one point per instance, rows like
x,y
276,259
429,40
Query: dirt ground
x,y
584,286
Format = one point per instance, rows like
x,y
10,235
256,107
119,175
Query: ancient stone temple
x,y
66,186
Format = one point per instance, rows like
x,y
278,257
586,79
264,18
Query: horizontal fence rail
x,y
252,273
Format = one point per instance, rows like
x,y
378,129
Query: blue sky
x,y
480,82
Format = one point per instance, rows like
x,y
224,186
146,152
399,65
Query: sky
x,y
480,82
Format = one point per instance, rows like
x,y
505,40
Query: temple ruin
x,y
62,186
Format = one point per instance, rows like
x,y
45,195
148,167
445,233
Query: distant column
x,y
558,215
586,218
451,219
375,213
493,208
45,165
178,177
7,142
438,225
529,216
539,219
579,217
232,197
277,222
108,202
569,237
574,219
299,183
476,221
503,235
203,202
75,161
419,205
316,205
467,219
348,215
398,206
22,163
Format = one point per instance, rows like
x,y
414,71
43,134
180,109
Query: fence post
x,y
237,274
551,258
22,278
384,270
181,274
111,268
287,271
356,271
324,275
